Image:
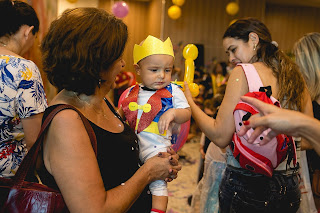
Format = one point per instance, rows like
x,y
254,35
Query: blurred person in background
x,y
22,96
307,56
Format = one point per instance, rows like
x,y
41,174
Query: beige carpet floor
x,y
182,187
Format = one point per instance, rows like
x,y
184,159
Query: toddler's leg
x,y
159,204
159,193
158,188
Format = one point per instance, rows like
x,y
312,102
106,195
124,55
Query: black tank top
x,y
118,160
312,156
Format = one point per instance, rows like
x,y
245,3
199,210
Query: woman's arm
x,y
31,128
307,109
221,129
69,157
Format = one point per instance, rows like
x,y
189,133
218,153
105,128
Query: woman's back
x,y
267,78
21,89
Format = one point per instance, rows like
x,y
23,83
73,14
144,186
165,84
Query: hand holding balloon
x,y
190,53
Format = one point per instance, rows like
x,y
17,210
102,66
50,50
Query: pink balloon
x,y
182,137
120,9
132,80
122,96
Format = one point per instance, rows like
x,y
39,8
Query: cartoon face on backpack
x,y
252,156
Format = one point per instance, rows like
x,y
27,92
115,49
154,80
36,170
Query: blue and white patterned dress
x,y
21,95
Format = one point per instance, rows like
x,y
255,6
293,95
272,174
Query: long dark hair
x,y
290,80
15,14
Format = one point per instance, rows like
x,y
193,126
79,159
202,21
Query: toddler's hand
x,y
165,120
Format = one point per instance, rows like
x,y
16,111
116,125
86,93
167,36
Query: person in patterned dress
x,y
22,96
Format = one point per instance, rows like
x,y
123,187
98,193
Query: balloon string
x,y
162,18
112,3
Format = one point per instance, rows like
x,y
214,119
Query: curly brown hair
x,y
290,80
79,45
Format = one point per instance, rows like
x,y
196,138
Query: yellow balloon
x,y
194,89
72,1
178,2
189,71
231,22
174,12
232,8
190,51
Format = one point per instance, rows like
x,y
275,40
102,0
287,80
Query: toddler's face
x,y
155,71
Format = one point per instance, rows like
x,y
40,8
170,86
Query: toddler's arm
x,y
176,115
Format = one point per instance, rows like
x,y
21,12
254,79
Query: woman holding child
x,y
82,55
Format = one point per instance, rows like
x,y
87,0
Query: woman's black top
x,y
312,156
118,160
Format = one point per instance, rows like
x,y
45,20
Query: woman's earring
x,y
255,47
123,63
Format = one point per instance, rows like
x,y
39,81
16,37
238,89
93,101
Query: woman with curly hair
x,y
82,55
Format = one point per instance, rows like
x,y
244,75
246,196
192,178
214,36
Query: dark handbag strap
x,y
31,157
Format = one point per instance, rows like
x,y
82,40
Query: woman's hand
x,y
171,166
187,92
279,120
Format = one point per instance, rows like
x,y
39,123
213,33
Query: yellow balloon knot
x,y
194,89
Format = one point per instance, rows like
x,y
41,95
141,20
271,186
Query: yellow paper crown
x,y
152,46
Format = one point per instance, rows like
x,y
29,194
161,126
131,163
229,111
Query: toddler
x,y
154,106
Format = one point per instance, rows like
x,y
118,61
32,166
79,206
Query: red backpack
x,y
259,159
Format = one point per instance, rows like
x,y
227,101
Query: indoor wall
x,y
202,22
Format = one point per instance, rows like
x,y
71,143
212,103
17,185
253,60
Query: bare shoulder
x,y
237,77
260,65
262,68
236,69
237,85
267,77
67,119
66,138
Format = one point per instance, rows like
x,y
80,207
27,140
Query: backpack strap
x,y
253,78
